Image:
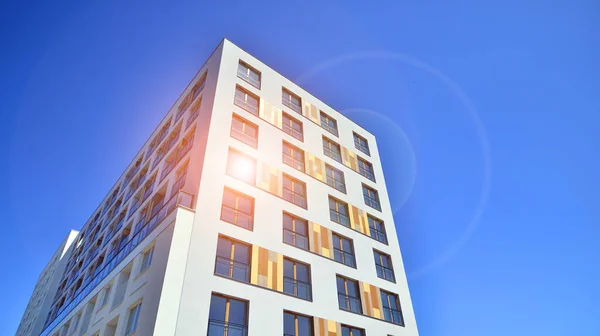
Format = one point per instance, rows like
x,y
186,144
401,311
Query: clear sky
x,y
487,114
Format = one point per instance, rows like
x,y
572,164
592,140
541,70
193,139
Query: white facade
x,y
167,261
45,288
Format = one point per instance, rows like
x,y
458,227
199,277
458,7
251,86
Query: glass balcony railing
x,y
113,261
222,328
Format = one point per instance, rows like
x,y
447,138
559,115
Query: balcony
x,y
192,117
158,158
148,192
115,259
185,149
167,169
178,184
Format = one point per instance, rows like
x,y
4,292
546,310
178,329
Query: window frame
x,y
376,233
296,328
289,103
379,257
358,145
226,322
328,144
295,220
353,329
366,169
294,279
289,159
231,260
347,296
147,256
241,135
351,255
334,183
244,105
292,191
333,129
246,78
133,318
339,214
290,126
384,309
371,198
236,211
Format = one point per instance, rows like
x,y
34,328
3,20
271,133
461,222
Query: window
x,y
237,209
295,231
132,320
233,259
249,74
244,131
365,169
294,191
383,265
348,295
227,316
292,127
241,166
371,197
297,325
338,212
343,250
335,178
246,100
377,230
291,100
332,150
106,295
147,259
293,156
352,331
391,308
329,124
296,279
361,144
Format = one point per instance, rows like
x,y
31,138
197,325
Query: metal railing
x,y
297,288
349,303
232,269
393,315
111,264
241,102
245,76
222,328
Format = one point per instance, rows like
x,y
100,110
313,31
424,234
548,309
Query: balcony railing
x,y
115,260
192,117
246,76
167,169
158,158
232,269
222,328
185,149
349,303
178,184
250,107
297,288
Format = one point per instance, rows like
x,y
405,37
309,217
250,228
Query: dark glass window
x,y
365,169
249,74
294,191
332,150
292,127
328,123
227,316
297,325
343,250
391,308
293,156
233,259
296,279
237,209
335,178
338,212
246,100
348,295
377,229
371,197
295,231
291,100
383,265
244,131
361,144
352,331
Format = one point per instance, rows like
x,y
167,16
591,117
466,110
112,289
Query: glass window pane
x,y
304,326
289,324
242,253
237,312
217,308
302,272
224,248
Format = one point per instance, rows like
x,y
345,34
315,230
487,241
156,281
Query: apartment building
x,y
43,292
252,209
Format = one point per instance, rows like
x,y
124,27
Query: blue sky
x,y
487,115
